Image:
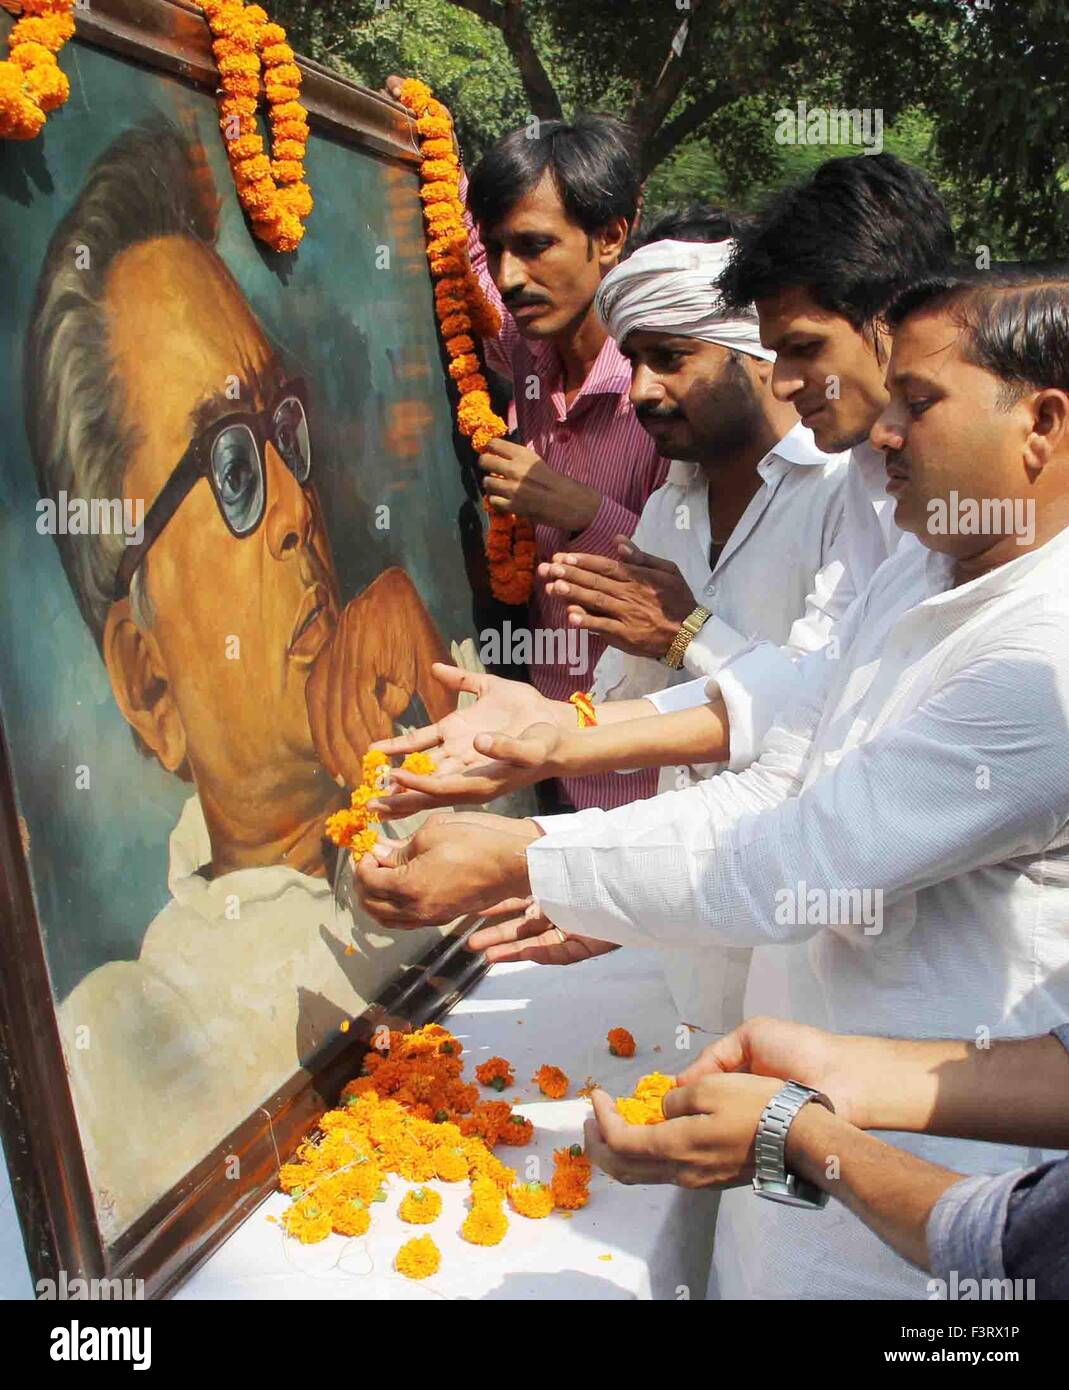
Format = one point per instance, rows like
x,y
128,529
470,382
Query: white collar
x,y
1027,569
797,447
190,848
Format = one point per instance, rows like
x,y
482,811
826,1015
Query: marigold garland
x,y
462,309
621,1043
272,190
31,81
645,1107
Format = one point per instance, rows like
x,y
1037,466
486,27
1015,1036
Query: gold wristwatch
x,y
692,625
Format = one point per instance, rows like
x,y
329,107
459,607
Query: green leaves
x,y
976,96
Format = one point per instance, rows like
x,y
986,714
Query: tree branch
x,y
690,119
648,111
509,19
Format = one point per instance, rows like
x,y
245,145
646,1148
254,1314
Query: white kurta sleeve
x,y
897,814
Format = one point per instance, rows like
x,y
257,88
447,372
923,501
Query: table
x,y
629,1243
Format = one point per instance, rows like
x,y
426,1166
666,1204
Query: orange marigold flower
x,y
418,1258
486,433
531,1199
46,83
485,1224
287,170
414,94
621,1043
434,127
645,1107
422,764
485,1191
450,1165
516,1130
552,1082
570,1184
456,323
351,1218
420,1207
50,30
495,1072
487,1120
290,150
307,1220
274,54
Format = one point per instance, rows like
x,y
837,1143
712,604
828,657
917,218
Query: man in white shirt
x,y
746,481
904,831
821,262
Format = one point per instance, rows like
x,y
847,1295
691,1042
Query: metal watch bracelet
x,y
690,627
771,1178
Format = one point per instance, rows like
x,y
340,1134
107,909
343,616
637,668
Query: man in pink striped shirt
x,y
550,212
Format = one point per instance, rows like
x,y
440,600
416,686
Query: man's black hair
x,y
1014,322
590,160
698,222
854,234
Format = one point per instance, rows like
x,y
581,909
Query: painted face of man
x,y
696,399
236,621
952,443
546,267
826,368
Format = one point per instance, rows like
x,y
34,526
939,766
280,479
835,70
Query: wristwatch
x,y
771,1178
692,625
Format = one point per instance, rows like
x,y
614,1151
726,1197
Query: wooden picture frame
x,y
50,1179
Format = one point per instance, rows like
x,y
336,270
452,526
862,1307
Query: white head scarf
x,y
670,286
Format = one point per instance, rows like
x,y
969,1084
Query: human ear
x,y
610,241
1050,429
141,687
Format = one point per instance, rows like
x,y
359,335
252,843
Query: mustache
x,y
654,412
521,299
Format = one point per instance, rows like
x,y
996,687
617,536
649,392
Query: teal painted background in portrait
x,y
365,338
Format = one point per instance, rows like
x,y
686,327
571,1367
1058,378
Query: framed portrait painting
x,y
224,470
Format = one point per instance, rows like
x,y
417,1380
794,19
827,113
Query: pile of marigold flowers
x,y
411,1113
354,827
31,81
462,310
644,1106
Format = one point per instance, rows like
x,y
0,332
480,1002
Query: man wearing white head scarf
x,y
741,535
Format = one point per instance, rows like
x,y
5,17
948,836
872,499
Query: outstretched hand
x,y
506,765
499,706
530,935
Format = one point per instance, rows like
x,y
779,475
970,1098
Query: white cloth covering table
x,y
658,1240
